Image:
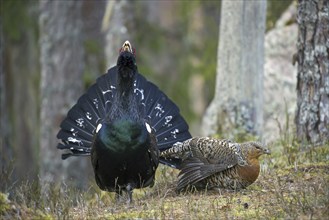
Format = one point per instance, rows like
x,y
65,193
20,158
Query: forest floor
x,y
293,184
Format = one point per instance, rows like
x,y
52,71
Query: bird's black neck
x,y
125,88
127,71
125,102
125,96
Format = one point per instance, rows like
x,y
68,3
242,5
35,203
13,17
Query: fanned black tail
x,y
78,128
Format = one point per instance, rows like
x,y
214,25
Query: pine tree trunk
x,y
312,116
19,117
61,85
237,105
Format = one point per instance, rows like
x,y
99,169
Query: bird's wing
x,y
195,169
214,151
207,156
154,152
94,161
77,129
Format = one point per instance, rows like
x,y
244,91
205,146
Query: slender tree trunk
x,y
61,85
312,116
238,101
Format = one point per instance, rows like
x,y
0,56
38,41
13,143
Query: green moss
x,y
4,203
13,210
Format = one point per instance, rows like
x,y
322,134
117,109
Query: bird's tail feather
x,y
161,114
78,128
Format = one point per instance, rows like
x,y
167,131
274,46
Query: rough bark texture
x,y
237,105
61,85
312,116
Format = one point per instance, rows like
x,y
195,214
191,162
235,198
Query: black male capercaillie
x,y
123,121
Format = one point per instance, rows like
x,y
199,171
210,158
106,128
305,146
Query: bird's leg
x,y
118,195
129,189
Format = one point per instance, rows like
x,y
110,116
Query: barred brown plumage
x,y
209,163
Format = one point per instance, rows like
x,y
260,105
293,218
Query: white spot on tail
x,y
174,132
159,110
95,101
73,132
80,122
141,91
99,126
74,140
88,115
168,119
106,91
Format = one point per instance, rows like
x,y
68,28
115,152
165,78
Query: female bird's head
x,y
126,63
256,149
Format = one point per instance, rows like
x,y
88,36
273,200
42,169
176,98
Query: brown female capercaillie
x,y
209,163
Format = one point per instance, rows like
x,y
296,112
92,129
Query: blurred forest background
x,y
176,45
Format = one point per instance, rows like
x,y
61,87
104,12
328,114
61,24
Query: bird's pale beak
x,y
267,151
127,47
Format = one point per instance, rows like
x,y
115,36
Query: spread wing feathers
x,y
194,170
78,128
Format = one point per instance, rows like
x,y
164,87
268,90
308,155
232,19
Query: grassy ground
x,y
293,184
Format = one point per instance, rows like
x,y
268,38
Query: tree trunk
x,y
19,117
237,105
312,116
61,85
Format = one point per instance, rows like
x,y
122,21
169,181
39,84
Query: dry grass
x,y
293,185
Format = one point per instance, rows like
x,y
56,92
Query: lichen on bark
x,y
312,115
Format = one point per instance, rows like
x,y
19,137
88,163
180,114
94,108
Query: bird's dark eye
x,y
258,147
